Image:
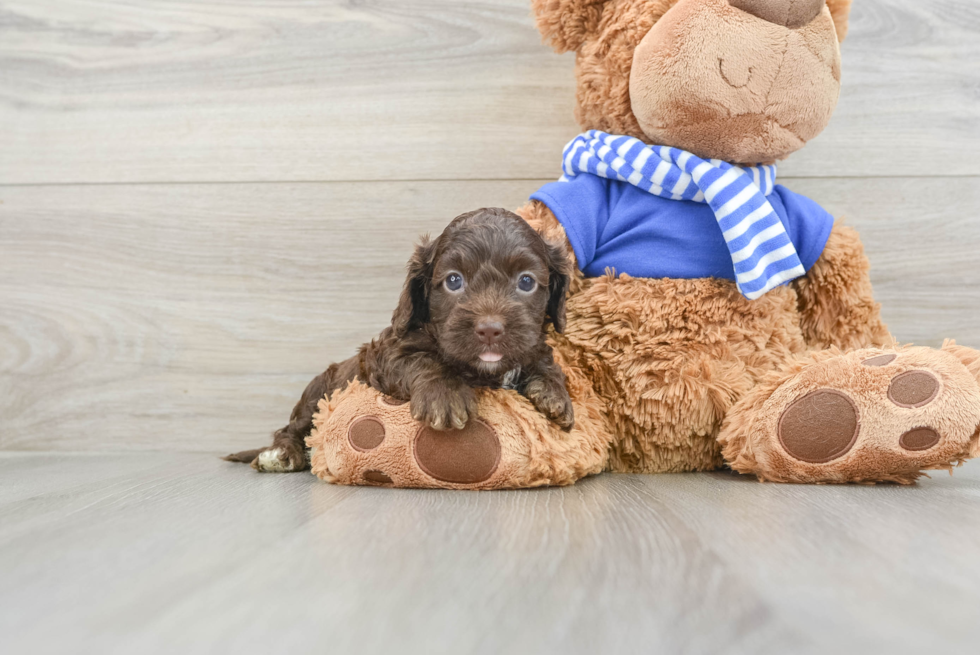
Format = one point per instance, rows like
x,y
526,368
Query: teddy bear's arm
x,y
836,303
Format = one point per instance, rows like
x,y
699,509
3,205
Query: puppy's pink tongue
x,y
491,357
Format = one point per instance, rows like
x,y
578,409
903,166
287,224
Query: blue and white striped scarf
x,y
763,255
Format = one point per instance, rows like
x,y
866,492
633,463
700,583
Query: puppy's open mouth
x,y
490,357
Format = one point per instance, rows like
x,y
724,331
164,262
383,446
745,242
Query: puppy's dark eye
x,y
454,282
526,283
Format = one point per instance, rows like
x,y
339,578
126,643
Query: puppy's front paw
x,y
551,399
443,407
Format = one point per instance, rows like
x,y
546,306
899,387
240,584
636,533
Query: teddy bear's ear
x,y
840,10
567,24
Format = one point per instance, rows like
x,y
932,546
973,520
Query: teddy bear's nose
x,y
789,13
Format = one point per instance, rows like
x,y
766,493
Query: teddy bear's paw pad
x,y
819,427
466,456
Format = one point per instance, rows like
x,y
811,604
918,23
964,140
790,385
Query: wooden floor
x,y
202,204
178,552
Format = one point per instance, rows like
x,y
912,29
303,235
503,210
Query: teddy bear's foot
x,y
864,416
363,438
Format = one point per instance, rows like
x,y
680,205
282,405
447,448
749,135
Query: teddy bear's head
x,y
744,81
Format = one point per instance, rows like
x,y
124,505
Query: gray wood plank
x,y
227,90
908,105
192,316
154,315
184,552
921,236
231,90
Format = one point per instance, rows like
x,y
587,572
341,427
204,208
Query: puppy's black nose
x,y
489,331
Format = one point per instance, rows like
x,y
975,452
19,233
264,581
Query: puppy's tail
x,y
244,457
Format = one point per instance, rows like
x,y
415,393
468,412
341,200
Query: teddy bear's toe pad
x,y
913,389
880,360
919,439
376,477
366,433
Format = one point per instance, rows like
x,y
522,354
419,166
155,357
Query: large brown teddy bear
x,y
784,371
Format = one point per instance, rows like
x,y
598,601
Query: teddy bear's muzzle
x,y
788,13
727,100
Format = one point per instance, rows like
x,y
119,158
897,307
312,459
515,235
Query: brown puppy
x,y
473,313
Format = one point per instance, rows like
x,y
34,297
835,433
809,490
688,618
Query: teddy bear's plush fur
x,y
804,384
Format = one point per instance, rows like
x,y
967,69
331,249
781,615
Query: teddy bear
x,y
716,319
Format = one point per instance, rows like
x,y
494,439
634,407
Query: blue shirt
x,y
613,224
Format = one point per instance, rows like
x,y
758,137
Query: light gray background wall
x,y
202,204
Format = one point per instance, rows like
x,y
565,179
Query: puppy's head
x,y
485,289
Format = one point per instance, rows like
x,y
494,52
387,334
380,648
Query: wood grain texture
x,y
192,316
233,90
921,236
136,315
164,552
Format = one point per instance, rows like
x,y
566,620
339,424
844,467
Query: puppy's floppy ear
x,y
559,275
413,305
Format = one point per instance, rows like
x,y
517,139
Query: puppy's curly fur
x,y
474,312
